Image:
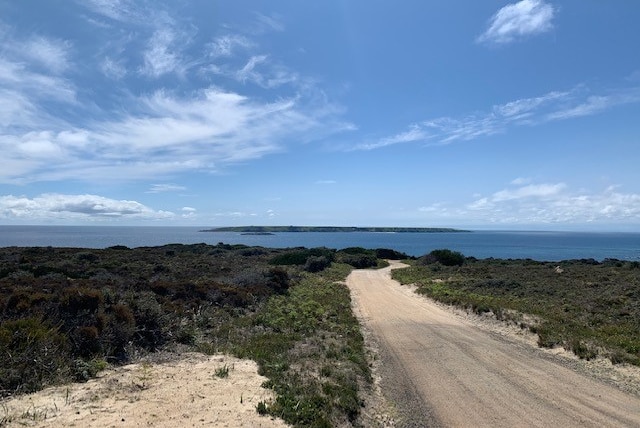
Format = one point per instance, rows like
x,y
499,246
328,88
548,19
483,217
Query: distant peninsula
x,y
275,229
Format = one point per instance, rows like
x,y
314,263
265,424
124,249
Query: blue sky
x,y
476,114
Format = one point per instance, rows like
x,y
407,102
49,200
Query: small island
x,y
276,229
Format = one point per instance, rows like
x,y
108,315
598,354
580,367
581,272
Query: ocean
x,y
545,246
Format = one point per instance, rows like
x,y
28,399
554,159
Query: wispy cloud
x,y
161,56
113,68
529,191
268,23
51,130
117,10
162,188
518,20
52,54
165,133
235,214
415,133
598,103
68,207
258,70
227,45
500,118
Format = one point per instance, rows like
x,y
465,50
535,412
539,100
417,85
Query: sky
x,y
521,115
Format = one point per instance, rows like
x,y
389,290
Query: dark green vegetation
x,y
589,307
66,313
273,229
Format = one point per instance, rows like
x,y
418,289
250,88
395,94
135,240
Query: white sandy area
x,y
184,392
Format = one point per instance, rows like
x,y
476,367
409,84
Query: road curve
x,y
440,370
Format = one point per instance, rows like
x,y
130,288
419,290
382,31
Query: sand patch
x,y
189,391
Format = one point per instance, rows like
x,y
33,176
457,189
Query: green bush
x,y
385,253
358,261
34,354
444,256
316,264
299,256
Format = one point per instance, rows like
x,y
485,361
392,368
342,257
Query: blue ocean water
x,y
549,246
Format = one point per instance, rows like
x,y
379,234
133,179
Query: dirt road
x,y
441,370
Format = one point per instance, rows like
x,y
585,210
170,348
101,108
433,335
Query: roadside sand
x,y
183,392
441,369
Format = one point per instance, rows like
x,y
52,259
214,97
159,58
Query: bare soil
x,y
191,390
442,368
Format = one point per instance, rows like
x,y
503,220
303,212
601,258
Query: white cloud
x,y
499,118
526,107
53,130
324,182
118,10
415,133
53,54
595,104
268,23
554,204
165,134
520,181
433,208
161,57
227,45
235,214
34,86
518,20
15,108
59,206
113,69
258,70
162,188
529,191
189,212
248,71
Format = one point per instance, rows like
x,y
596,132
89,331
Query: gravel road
x,y
441,370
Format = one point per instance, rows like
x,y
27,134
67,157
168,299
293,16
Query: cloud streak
x,y
516,21
166,134
500,118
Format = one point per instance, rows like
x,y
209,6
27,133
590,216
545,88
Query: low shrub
x,y
316,264
444,256
385,253
358,260
299,256
34,354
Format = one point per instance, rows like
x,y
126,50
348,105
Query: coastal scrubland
x,y
67,313
589,307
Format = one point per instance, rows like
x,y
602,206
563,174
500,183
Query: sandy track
x,y
441,370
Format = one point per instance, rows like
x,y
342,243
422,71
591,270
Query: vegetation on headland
x,y
275,229
67,313
591,308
